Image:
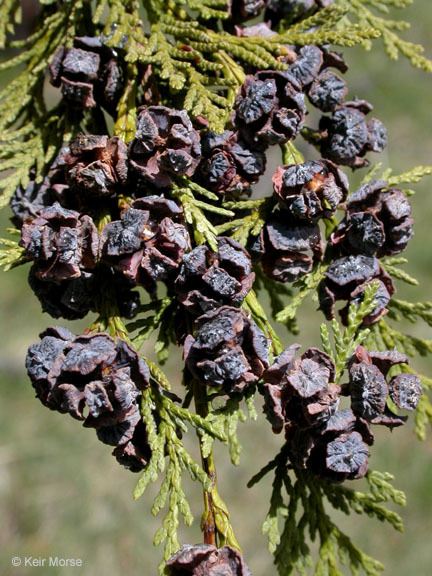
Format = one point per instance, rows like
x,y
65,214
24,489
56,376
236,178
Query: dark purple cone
x,y
146,245
311,373
377,135
309,65
96,165
74,298
206,560
242,10
228,165
95,379
328,91
165,146
299,390
277,392
28,203
405,391
339,422
347,136
207,280
41,356
300,395
136,453
229,351
369,390
384,360
347,278
360,233
70,299
337,454
389,419
89,74
347,456
107,377
311,190
306,67
333,60
300,444
269,108
289,247
334,457
61,242
378,221
329,442
323,406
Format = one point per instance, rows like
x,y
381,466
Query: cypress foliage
x,y
141,175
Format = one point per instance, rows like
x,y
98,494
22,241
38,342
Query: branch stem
x,y
208,522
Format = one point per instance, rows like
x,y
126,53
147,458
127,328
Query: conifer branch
x,y
387,29
345,342
196,61
12,255
390,265
215,522
405,343
33,134
251,224
413,311
307,284
170,457
10,15
305,514
203,229
423,417
412,176
146,326
200,65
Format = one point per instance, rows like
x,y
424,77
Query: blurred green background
x,y
63,494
